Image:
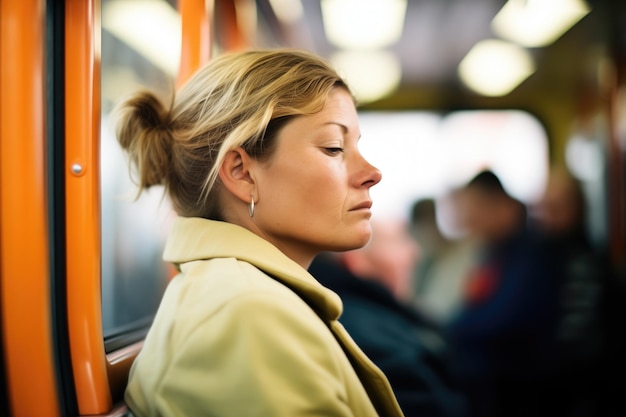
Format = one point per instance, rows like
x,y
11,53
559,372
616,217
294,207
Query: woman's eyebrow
x,y
343,127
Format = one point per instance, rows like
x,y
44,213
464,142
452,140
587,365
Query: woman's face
x,y
313,193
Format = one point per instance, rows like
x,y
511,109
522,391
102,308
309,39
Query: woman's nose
x,y
369,174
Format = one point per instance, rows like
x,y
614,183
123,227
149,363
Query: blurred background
x,y
446,88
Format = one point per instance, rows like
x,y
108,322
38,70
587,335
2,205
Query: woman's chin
x,y
358,241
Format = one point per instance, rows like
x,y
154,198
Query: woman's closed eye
x,y
333,150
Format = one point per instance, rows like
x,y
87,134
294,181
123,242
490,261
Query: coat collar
x,y
193,238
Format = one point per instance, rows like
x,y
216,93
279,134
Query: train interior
x,y
437,104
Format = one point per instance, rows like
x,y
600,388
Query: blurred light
x,y
422,154
495,68
151,27
363,24
287,11
370,75
535,23
584,158
512,143
404,146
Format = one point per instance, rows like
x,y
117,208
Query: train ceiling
x,y
437,35
430,41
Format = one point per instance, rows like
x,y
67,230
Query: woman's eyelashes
x,y
333,150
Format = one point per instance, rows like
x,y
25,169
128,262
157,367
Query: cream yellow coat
x,y
244,331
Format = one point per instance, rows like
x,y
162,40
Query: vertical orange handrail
x,y
196,36
82,120
24,256
232,35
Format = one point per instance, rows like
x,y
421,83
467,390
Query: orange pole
x,y
231,34
196,36
24,256
82,119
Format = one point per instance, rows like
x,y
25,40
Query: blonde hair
x,y
240,99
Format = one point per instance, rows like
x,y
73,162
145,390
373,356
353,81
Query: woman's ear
x,y
236,174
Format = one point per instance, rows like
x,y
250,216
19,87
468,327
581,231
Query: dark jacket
x,y
589,334
502,340
404,345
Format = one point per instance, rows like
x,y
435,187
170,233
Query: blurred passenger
x,y
441,269
373,283
591,313
502,338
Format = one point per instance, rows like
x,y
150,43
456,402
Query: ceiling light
x,y
535,23
363,24
494,68
152,28
370,75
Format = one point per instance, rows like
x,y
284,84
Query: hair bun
x,y
144,134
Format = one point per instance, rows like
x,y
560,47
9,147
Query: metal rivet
x,y
77,169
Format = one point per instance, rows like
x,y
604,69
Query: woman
x,y
259,157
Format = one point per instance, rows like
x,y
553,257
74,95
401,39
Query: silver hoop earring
x,y
251,208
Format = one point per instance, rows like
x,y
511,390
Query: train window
x,y
585,158
133,231
424,154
